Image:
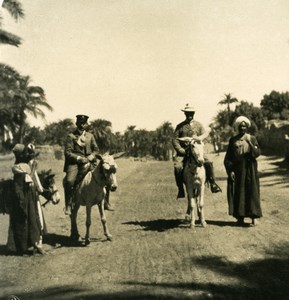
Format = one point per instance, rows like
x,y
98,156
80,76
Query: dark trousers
x,y
74,175
71,175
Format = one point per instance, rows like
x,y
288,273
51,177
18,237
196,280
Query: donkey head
x,y
50,190
109,168
195,148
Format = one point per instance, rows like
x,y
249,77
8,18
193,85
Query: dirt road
x,y
154,255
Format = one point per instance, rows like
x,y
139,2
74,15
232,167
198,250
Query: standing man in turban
x,y
243,190
80,149
190,128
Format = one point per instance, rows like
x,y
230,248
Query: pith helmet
x,y
188,108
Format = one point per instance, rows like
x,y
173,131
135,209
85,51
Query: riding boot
x,y
210,177
68,201
180,183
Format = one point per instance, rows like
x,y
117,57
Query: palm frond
x,y
14,7
9,38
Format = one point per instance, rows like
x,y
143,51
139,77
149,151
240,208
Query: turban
x,y
242,119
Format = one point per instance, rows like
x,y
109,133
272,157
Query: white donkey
x,y
91,191
194,176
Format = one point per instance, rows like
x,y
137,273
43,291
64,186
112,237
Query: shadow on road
x,y
257,279
58,240
4,251
73,293
157,225
225,223
55,240
163,224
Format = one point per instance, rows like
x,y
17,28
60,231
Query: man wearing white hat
x,y
189,128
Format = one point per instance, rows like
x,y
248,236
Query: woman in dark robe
x,y
25,220
243,189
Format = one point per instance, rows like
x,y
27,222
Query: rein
x,y
101,172
192,159
51,193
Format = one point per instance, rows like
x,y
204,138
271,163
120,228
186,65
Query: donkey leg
x,y
103,221
74,235
201,206
188,216
88,223
191,206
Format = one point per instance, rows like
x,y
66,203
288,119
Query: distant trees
x,y
156,143
102,131
34,135
223,123
129,140
272,106
164,135
255,114
275,105
56,132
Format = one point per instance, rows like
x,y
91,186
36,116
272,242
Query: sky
x,y
139,62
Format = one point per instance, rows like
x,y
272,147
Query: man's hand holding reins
x,y
82,160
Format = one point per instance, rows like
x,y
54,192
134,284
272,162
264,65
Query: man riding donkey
x,y
190,128
80,149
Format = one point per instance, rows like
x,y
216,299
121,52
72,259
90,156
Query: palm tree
x,y
14,7
18,99
129,137
29,100
8,111
55,133
164,138
142,143
102,131
227,101
118,142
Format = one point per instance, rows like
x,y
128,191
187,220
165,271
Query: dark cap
x,y
82,118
